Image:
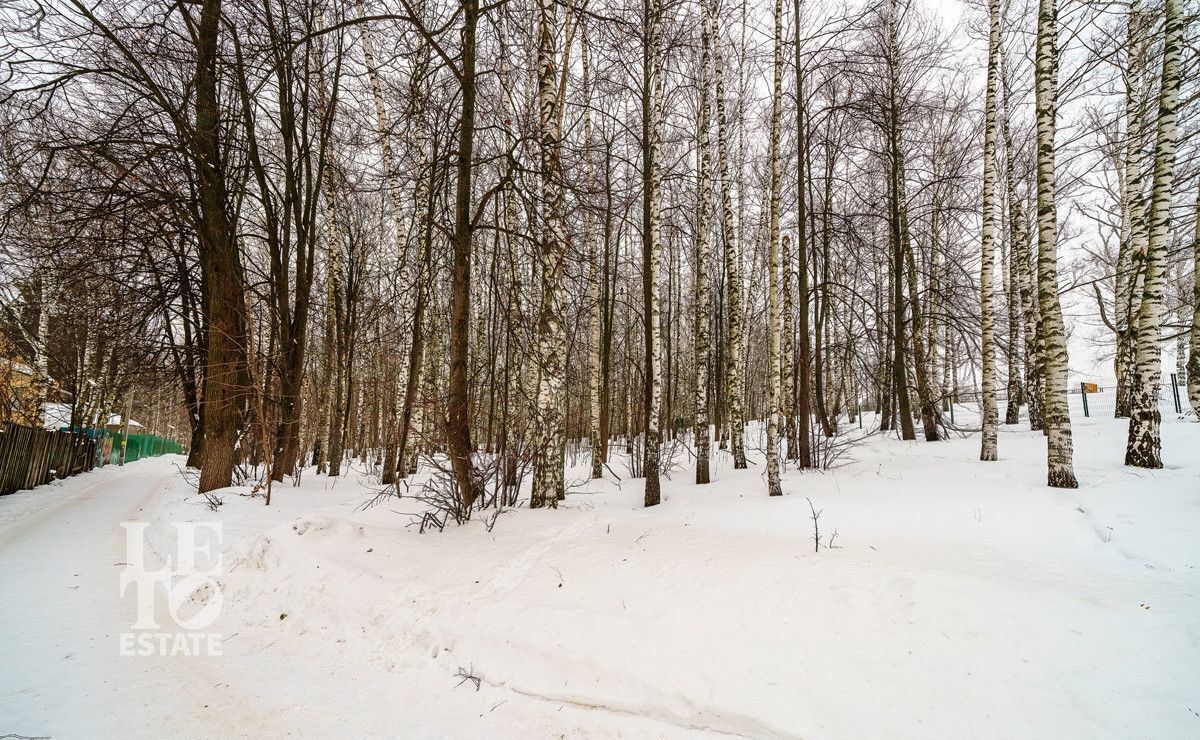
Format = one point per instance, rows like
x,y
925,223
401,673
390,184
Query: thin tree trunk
x,y
1018,230
773,357
1131,252
733,271
988,451
703,260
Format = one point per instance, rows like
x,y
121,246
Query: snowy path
x,y
62,613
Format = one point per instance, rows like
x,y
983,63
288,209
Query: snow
x,y
959,599
58,416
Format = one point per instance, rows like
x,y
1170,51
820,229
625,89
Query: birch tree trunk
x,y
1145,440
773,355
651,240
327,391
548,472
788,403
703,259
1012,357
1018,234
595,272
1193,366
1060,467
988,450
733,269
1132,250
404,309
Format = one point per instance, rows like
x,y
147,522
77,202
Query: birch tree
x,y
1060,466
703,256
651,240
735,337
773,354
988,451
548,484
1144,448
1131,252
1193,366
595,270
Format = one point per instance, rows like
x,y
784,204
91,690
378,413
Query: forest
x,y
498,236
594,369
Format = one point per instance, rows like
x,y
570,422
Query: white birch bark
x,y
1131,253
703,257
733,270
988,451
653,182
595,266
1193,366
1059,453
1193,371
548,483
773,356
407,290
1018,231
1144,448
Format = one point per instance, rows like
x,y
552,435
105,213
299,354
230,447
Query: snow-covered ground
x,y
958,600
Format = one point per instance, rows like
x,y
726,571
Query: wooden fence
x,y
30,457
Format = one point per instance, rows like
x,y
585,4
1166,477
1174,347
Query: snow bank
x,y
959,599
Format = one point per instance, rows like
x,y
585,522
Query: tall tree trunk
x,y
458,425
804,370
988,451
221,266
896,192
651,240
548,485
1131,252
733,269
1145,435
787,406
595,271
405,299
1060,467
925,398
773,357
1018,230
703,259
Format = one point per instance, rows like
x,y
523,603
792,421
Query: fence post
x,y
1175,392
1083,392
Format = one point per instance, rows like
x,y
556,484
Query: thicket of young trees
x,y
496,235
